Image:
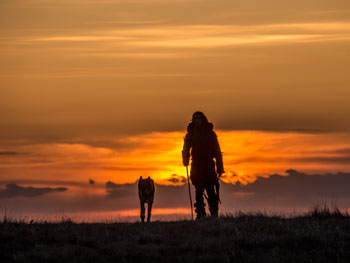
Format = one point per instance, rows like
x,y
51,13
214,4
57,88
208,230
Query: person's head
x,y
198,118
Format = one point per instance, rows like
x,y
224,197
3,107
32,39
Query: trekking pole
x,y
189,192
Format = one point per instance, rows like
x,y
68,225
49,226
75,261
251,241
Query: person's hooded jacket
x,y
202,145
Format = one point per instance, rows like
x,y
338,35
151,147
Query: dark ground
x,y
319,236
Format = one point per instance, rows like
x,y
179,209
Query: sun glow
x,y
246,154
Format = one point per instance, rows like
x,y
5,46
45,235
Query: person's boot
x,y
214,208
200,214
214,213
213,202
200,210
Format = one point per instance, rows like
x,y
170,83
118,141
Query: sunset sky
x,y
103,90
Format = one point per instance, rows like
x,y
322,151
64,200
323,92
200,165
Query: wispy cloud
x,y
207,42
77,38
212,35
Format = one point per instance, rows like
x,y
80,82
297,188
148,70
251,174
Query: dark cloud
x,y
92,164
342,157
44,182
166,196
345,150
92,182
111,185
177,179
9,153
341,151
297,183
296,189
324,159
120,190
171,196
13,190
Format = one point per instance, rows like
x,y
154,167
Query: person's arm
x,y
186,150
218,156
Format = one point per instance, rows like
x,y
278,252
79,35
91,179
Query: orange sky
x,y
103,90
247,155
96,67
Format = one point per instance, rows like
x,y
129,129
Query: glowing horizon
x,y
247,155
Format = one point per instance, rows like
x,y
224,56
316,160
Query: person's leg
x,y
213,200
199,205
149,205
142,204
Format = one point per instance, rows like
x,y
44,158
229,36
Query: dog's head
x,y
146,186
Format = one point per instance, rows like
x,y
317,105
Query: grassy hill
x,y
319,236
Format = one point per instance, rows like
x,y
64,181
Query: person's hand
x,y
219,175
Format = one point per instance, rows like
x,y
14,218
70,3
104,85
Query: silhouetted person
x,y
146,194
202,145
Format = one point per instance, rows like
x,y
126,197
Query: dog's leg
x,y
149,211
142,204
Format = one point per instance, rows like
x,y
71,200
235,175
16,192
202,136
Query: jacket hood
x,y
207,126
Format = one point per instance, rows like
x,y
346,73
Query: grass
x,y
322,235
